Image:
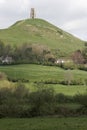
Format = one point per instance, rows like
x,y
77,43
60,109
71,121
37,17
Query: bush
x,y
82,99
72,82
61,98
2,76
21,91
70,66
64,111
82,67
17,80
13,102
42,101
82,111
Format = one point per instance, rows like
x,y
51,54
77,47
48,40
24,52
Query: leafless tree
x,y
77,57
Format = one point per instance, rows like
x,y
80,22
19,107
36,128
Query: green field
x,y
78,123
69,90
38,31
39,73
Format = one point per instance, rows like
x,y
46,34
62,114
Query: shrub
x,y
64,111
82,99
61,98
21,91
70,66
2,76
72,82
82,67
13,102
42,101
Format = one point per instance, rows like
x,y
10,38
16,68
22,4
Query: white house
x,y
61,61
7,60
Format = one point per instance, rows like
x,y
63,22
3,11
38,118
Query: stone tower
x,y
32,13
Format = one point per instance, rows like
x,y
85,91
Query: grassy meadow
x,y
69,90
38,73
44,124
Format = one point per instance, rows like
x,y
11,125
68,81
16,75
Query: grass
x,y
66,90
38,31
32,72
39,72
44,73
70,90
78,123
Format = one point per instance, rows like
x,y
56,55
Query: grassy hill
x,y
38,31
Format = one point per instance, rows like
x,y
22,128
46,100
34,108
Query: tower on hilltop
x,y
32,13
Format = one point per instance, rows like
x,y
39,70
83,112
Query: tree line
x,y
25,53
35,53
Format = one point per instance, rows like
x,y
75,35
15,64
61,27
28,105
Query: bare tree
x,y
77,57
68,76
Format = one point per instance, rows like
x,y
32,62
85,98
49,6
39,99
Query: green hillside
x,y
38,31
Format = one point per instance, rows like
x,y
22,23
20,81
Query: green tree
x,y
42,101
1,48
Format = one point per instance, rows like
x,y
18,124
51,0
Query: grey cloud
x,y
13,10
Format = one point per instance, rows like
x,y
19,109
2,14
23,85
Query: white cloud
x,y
13,10
15,6
78,4
2,1
75,24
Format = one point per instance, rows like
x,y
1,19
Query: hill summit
x,y
39,31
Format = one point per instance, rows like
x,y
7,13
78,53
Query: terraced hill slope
x,y
38,31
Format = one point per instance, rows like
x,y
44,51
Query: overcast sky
x,y
70,15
